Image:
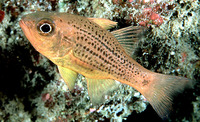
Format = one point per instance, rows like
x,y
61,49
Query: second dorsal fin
x,y
128,37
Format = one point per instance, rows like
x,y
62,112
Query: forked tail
x,y
161,91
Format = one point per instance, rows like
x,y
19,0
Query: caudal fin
x,y
162,90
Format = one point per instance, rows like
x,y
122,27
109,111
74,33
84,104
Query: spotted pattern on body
x,y
99,49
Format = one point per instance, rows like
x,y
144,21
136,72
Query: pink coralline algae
x,y
48,100
154,15
147,12
151,17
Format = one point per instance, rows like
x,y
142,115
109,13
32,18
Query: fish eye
x,y
45,27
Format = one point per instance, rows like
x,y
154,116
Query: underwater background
x,y
31,88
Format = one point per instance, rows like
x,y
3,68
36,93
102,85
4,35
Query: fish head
x,y
48,33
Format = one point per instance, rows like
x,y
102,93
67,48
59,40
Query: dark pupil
x,y
45,28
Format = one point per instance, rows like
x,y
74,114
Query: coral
x,y
32,89
14,108
196,109
171,48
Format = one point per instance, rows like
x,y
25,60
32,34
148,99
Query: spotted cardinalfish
x,y
77,44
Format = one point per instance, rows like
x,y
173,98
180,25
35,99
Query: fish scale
x,y
82,45
98,57
87,43
104,54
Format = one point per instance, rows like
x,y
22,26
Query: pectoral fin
x,y
68,76
104,23
98,88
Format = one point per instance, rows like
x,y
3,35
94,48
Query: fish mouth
x,y
23,26
25,22
21,23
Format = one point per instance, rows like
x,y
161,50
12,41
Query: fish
x,y
81,45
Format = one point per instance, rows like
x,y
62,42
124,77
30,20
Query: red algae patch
x,y
2,14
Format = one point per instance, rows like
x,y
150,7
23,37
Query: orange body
x,y
83,45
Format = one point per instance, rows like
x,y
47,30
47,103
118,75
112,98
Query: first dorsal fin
x,y
68,76
98,88
128,37
104,23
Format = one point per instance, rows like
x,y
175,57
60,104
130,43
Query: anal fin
x,y
68,76
98,88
